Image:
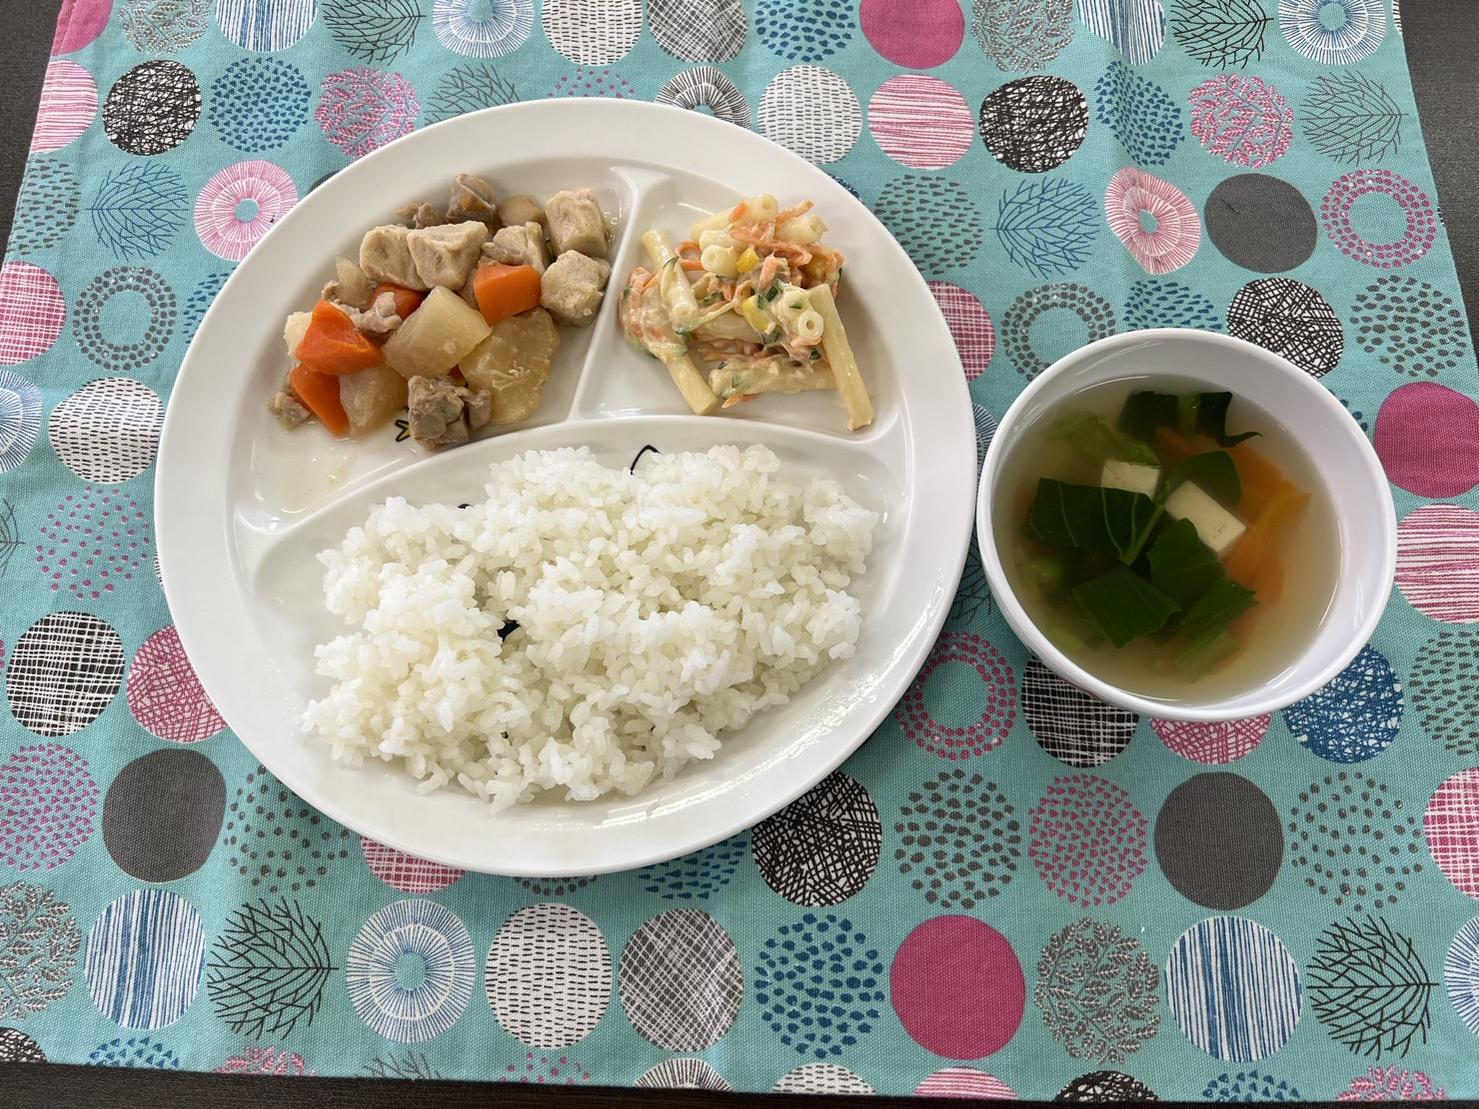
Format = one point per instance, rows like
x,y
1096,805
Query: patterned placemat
x,y
1013,887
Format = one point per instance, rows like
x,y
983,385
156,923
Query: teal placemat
x,y
1011,888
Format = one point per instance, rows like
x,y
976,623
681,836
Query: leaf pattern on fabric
x,y
268,968
1098,991
39,942
1368,986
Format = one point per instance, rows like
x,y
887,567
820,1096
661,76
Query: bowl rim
x,y
1026,630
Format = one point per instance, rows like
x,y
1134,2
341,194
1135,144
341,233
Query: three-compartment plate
x,y
243,507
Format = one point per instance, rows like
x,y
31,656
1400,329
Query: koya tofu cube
x,y
1216,526
1132,476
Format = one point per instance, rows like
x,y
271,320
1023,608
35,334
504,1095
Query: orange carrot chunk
x,y
1172,446
505,291
320,392
333,345
406,300
1253,467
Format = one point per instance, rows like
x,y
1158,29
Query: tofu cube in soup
x,y
576,223
436,336
1133,477
517,210
1216,526
445,255
572,286
371,398
385,255
472,199
519,246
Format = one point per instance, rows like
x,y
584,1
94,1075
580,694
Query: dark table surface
x,y
1442,38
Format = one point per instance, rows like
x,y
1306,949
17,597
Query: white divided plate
x,y
242,507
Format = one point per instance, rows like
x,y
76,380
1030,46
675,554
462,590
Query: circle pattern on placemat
x,y
965,1082
17,1047
1289,318
1461,973
39,959
92,307
1155,220
951,965
934,219
1355,840
135,1052
1219,840
960,840
268,968
253,25
138,209
812,112
1023,34
1452,827
549,975
32,312
362,109
823,847
465,88
588,81
1034,124
805,30
1094,312
1249,1086
970,326
69,100
48,799
1261,223
590,32
1335,101
1145,120
108,431
1417,209
682,1074
695,31
1073,726
543,1071
163,26
144,841
46,209
276,841
152,108
822,1078
199,300
1367,985
681,980
820,985
920,121
706,87
997,700
20,419
1104,1087
1234,989
145,953
1098,991
1445,690
405,872
1411,326
93,542
918,35
259,103
490,29
1137,28
696,876
1154,303
1243,120
240,204
1087,840
1438,562
410,971
64,672
1353,717
165,695
1335,32
374,30
1215,743
556,887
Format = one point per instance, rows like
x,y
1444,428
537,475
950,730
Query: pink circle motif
x,y
970,326
80,22
915,34
164,694
1417,207
1215,744
998,700
69,101
964,1082
362,109
954,965
921,121
1087,840
48,799
265,1060
1245,121
32,312
1135,198
93,542
1438,562
590,81
1452,827
406,872
1413,420
1392,1083
542,1070
225,229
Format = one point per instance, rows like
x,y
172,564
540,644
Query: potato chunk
x,y
576,223
293,330
513,363
371,398
436,336
444,255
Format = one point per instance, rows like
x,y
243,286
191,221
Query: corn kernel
x,y
748,260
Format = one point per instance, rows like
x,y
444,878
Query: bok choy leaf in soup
x,y
1215,472
1092,518
1181,565
1124,605
1219,606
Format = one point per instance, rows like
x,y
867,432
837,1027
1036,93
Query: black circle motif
x,y
1073,726
47,206
66,670
276,841
681,980
152,108
1355,842
1034,124
959,840
699,32
163,813
1096,313
1219,841
934,219
17,1047
1261,223
1411,326
87,318
704,86
1289,318
823,847
1103,1086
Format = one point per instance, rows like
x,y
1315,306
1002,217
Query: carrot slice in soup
x,y
1172,446
406,300
333,345
320,392
505,291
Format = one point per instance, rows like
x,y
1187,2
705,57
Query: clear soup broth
x,y
1154,565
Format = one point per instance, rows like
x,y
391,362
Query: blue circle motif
x,y
805,30
20,419
821,987
410,971
145,953
198,301
1156,303
258,103
265,26
698,876
1355,716
1145,120
133,1051
1362,27
1234,989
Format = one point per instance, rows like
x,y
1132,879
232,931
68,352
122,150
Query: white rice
x,y
654,612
